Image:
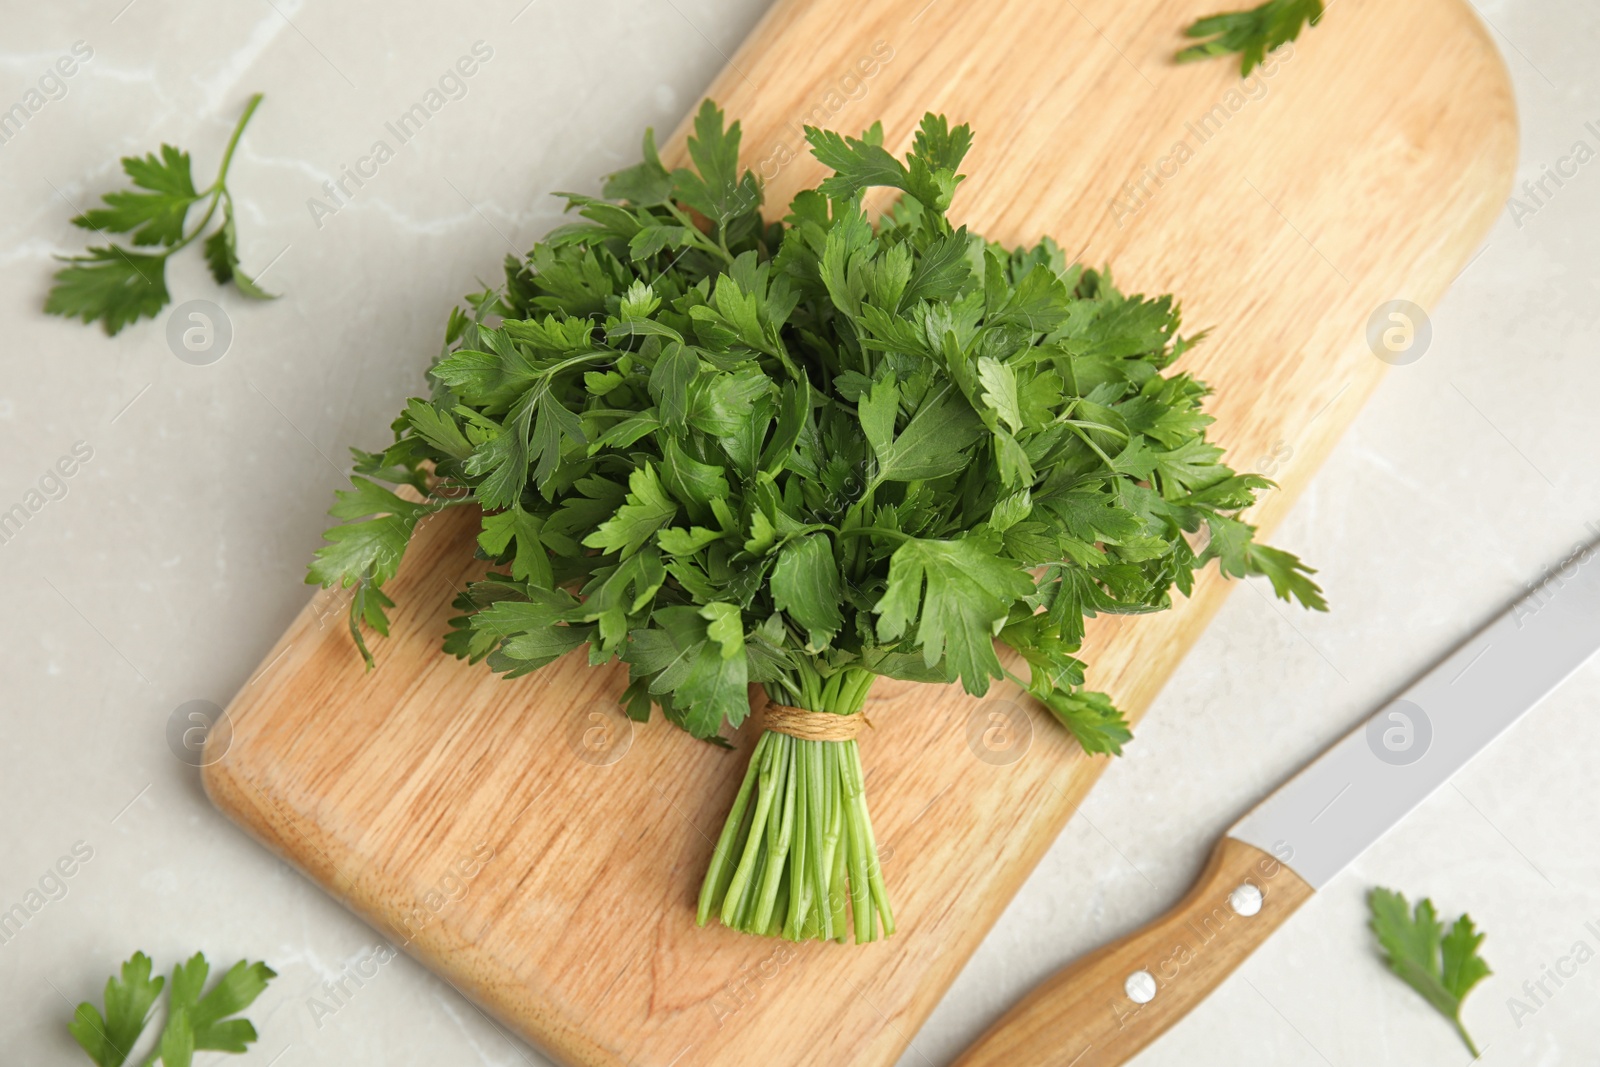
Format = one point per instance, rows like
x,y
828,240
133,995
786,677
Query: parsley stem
x,y
875,531
1073,426
1102,427
697,235
798,841
219,189
1462,1030
205,220
233,142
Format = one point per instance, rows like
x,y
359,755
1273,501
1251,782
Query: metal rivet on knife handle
x,y
1246,900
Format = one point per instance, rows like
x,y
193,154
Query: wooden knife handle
x,y
1089,1014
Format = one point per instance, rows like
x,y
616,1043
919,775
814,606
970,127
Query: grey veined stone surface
x,y
172,504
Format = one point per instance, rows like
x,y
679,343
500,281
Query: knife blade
x,y
1104,1007
1324,817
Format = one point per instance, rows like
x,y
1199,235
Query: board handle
x,y
1102,1008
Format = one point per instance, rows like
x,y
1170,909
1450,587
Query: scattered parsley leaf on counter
x,y
118,286
194,1022
805,449
1251,33
1442,966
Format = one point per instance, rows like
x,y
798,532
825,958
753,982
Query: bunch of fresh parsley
x,y
119,286
1252,33
804,452
194,1023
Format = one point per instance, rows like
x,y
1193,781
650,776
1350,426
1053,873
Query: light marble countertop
x,y
176,554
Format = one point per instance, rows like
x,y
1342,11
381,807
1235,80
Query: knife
x,y
1104,1007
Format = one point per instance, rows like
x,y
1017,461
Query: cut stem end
x,y
797,858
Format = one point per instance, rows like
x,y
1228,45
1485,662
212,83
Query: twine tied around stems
x,y
813,725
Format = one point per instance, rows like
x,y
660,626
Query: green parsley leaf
x,y
935,442
968,597
210,1015
530,561
1442,967
222,256
1251,33
194,1021
1238,556
648,509
861,163
109,1039
857,164
805,585
116,286
715,188
154,217
1091,717
110,284
645,184
367,553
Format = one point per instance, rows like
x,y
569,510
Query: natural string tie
x,y
814,725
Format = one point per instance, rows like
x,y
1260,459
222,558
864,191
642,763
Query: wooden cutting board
x,y
530,846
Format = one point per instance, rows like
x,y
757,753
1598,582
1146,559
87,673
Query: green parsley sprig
x,y
118,286
1441,966
195,1022
804,452
1252,33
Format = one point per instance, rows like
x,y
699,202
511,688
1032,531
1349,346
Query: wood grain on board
x,y
471,820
